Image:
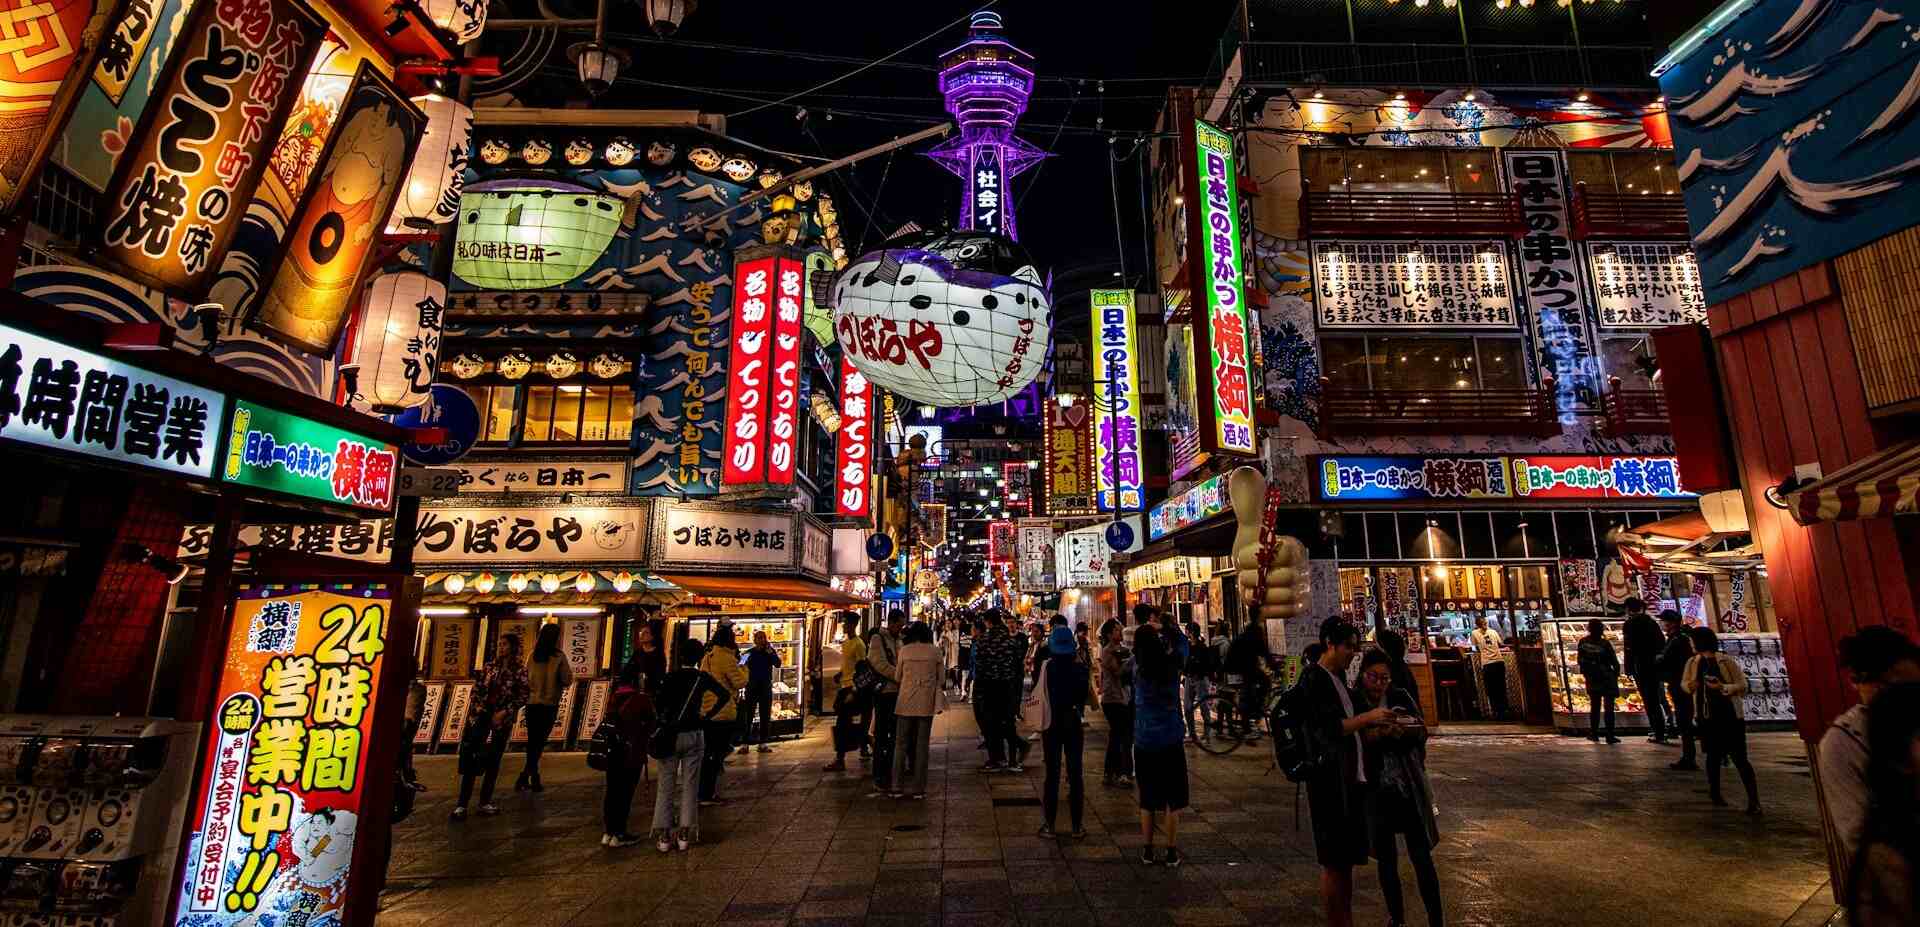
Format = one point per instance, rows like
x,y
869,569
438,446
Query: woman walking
x,y
1718,689
1600,667
1064,739
921,673
1884,890
1401,800
722,662
1116,704
495,701
548,676
1159,756
634,715
684,720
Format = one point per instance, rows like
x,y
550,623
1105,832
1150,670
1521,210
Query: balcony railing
x,y
1410,215
1412,64
1637,215
1635,411
1362,411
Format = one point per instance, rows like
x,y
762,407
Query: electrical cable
x,y
877,194
865,67
1028,188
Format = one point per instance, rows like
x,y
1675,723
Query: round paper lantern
x,y
622,581
606,366
583,584
517,583
947,319
514,366
550,583
438,174
562,365
536,151
396,352
579,151
495,151
468,366
620,152
464,19
454,583
483,584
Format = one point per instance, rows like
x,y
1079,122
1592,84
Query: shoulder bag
x,y
665,739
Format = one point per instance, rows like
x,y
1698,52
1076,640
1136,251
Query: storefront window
x,y
1476,536
496,411
1631,172
1575,533
539,425
576,413
1399,170
1629,358
1424,363
1430,536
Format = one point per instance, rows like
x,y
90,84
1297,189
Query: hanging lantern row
x,y
561,365
583,582
397,350
621,151
437,176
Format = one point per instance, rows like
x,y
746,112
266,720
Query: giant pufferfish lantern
x,y
947,319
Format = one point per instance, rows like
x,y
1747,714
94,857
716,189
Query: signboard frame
x,y
1218,288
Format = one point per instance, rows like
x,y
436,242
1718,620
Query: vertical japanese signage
x,y
283,780
1222,345
853,463
44,50
748,359
986,191
1000,542
278,451
1069,482
188,172
450,647
66,399
311,288
1550,274
783,440
1036,555
1116,413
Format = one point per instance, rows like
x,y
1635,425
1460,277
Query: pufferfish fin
x,y
1028,274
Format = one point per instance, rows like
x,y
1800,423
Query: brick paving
x,y
1536,830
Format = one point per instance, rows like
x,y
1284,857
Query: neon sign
x,y
1116,379
1223,350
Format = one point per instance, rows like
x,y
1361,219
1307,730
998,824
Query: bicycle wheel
x,y
1228,729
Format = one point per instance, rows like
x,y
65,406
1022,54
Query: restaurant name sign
x,y
1203,501
1551,476
278,451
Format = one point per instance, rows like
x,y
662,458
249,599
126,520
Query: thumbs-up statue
x,y
1273,570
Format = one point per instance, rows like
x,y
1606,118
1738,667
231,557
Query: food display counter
x,y
787,635
1560,639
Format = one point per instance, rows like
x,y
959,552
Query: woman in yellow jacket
x,y
1718,689
722,662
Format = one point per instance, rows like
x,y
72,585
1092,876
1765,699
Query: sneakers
x,y
1046,832
1015,767
1173,858
838,765
621,841
992,767
459,813
1078,834
764,749
1612,739
683,841
606,840
489,810
1146,856
918,796
664,845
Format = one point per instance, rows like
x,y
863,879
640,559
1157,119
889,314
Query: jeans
x,y
1593,715
1194,695
911,736
719,742
1385,822
680,780
495,748
1119,738
998,704
1683,720
618,806
1066,740
1654,696
758,710
540,719
883,733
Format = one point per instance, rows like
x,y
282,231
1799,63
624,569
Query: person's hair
x,y
508,642
1312,652
1057,621
998,615
1143,612
1112,626
1080,627
1635,604
690,653
1375,657
1193,628
1596,628
1668,614
1867,654
1704,640
849,618
723,637
547,643
896,616
1891,802
1337,631
1152,659
1393,645
918,633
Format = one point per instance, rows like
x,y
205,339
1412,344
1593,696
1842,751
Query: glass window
x,y
620,414
1383,542
1471,171
496,410
1346,361
1500,363
1591,168
539,414
1400,170
1430,536
1645,172
566,412
1424,363
1575,531
1476,535
1326,169
593,413
1629,359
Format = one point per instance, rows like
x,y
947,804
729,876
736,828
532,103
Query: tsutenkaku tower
x,y
986,83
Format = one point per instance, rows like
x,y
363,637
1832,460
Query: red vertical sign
x,y
784,441
748,359
853,466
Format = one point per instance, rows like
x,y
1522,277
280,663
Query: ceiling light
x,y
561,611
442,611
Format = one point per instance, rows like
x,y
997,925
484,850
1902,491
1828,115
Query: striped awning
x,y
1886,483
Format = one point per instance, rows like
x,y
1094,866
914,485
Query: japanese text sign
x,y
188,172
1550,274
986,192
63,398
532,534
1069,483
1080,559
783,392
1036,555
450,647
686,537
1196,505
1223,347
282,780
279,451
749,359
1376,284
1647,284
853,460
564,476
1000,542
1550,476
1117,467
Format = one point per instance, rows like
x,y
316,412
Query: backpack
x,y
608,749
1299,754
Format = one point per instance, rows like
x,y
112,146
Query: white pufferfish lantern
x,y
948,319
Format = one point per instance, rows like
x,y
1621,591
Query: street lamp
x,y
665,16
598,64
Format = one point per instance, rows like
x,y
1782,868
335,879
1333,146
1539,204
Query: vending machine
x,y
90,818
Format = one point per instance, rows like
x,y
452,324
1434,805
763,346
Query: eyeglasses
x,y
1376,677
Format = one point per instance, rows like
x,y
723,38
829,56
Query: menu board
x,y
1390,284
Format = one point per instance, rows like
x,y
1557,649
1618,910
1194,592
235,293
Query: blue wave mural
x,y
1795,135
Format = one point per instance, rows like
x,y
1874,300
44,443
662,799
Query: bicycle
x,y
1231,728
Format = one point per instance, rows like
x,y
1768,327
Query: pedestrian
x,y
950,651
1493,670
633,714
548,676
495,701
1718,688
1875,657
1337,787
921,668
1064,740
1644,644
648,665
1600,668
689,702
849,707
1884,887
883,654
975,632
416,710
1672,665
1114,685
722,716
1159,756
997,692
1250,660
1400,802
1394,645
1196,684
763,664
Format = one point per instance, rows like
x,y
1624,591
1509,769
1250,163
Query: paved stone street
x,y
1536,830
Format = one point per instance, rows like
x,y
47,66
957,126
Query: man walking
x,y
1644,644
999,660
1673,665
1875,657
883,654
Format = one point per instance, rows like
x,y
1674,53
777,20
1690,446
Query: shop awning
x,y
1886,483
1686,526
1685,543
747,586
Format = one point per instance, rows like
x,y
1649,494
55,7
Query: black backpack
x,y
608,749
1297,751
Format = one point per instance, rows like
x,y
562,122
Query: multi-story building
x,y
1461,230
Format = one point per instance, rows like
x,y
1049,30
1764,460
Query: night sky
x,y
1066,209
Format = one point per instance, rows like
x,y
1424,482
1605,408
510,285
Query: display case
x,y
1560,641
787,634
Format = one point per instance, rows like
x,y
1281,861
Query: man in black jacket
x,y
1672,664
1644,643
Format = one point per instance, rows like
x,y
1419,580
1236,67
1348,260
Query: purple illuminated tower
x,y
986,83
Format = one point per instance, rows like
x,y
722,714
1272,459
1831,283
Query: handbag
x,y
473,744
665,741
1036,711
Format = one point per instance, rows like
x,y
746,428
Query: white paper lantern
x,y
583,583
622,581
483,584
438,174
517,583
465,19
398,347
454,583
954,319
550,583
